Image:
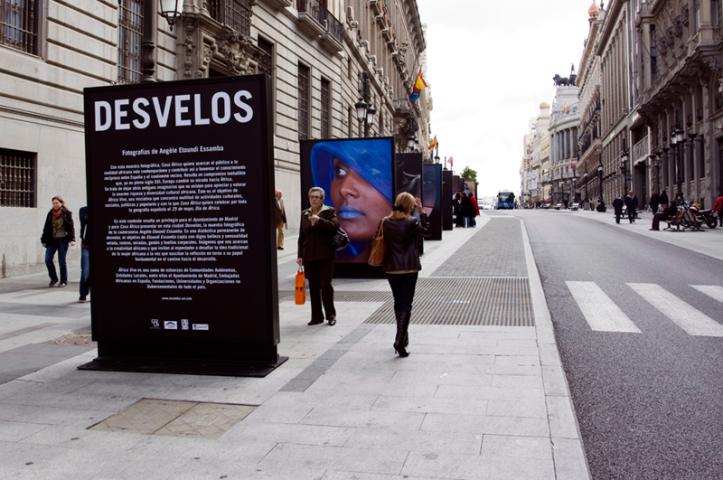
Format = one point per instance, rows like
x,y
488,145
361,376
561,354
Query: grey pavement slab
x,y
472,401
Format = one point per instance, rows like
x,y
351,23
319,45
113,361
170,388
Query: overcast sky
x,y
489,65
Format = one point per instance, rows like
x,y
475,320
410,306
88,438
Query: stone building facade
x,y
613,48
323,56
536,158
589,167
681,96
564,145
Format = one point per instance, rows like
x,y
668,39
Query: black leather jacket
x,y
315,240
401,253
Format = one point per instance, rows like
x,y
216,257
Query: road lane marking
x,y
601,313
690,319
713,291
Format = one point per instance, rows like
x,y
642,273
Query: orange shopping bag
x,y
299,291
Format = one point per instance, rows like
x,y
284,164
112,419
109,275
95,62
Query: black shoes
x,y
332,321
52,283
315,322
62,285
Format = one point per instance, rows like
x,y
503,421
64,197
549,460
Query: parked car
x,y
574,206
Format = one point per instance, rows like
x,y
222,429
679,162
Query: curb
x,y
569,457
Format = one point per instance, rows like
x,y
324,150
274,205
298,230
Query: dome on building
x,y
593,10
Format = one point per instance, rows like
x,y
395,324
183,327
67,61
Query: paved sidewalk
x,y
478,400
706,241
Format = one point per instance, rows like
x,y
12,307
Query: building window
x,y
266,61
716,12
350,122
17,178
699,147
303,93
19,24
235,14
696,15
325,108
130,34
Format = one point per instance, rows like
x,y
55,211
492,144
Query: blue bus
x,y
505,200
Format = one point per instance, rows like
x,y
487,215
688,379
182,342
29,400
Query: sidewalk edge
x,y
567,461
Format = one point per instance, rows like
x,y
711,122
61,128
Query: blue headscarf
x,y
371,159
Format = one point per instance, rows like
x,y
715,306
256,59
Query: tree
x,y
469,174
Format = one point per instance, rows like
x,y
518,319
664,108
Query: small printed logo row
x,y
173,325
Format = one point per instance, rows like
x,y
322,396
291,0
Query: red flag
x,y
450,161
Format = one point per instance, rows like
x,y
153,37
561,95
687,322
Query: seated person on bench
x,y
668,212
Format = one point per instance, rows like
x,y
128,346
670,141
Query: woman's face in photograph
x,y
359,206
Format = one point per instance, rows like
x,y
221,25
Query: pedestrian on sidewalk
x,y
618,207
316,253
280,219
631,202
402,230
718,207
58,235
84,255
664,198
475,209
654,202
458,217
467,210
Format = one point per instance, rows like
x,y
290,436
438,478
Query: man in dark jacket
x,y
84,255
654,202
618,207
664,198
631,202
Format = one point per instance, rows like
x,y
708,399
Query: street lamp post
x,y
676,140
600,201
171,10
624,171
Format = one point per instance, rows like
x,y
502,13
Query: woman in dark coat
x,y
316,253
58,234
401,261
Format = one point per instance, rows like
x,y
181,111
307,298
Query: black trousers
x,y
319,274
631,215
403,286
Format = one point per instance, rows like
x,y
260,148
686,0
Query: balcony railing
x,y
235,14
312,15
333,40
641,150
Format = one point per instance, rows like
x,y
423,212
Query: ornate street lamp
x,y
624,170
171,10
365,115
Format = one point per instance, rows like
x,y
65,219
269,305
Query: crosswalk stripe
x,y
690,319
713,291
601,313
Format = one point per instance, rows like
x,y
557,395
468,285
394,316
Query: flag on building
x,y
450,161
433,144
419,85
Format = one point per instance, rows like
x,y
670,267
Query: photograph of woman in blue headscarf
x,y
358,174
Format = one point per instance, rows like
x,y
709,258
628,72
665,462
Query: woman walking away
x,y
58,233
401,261
316,254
